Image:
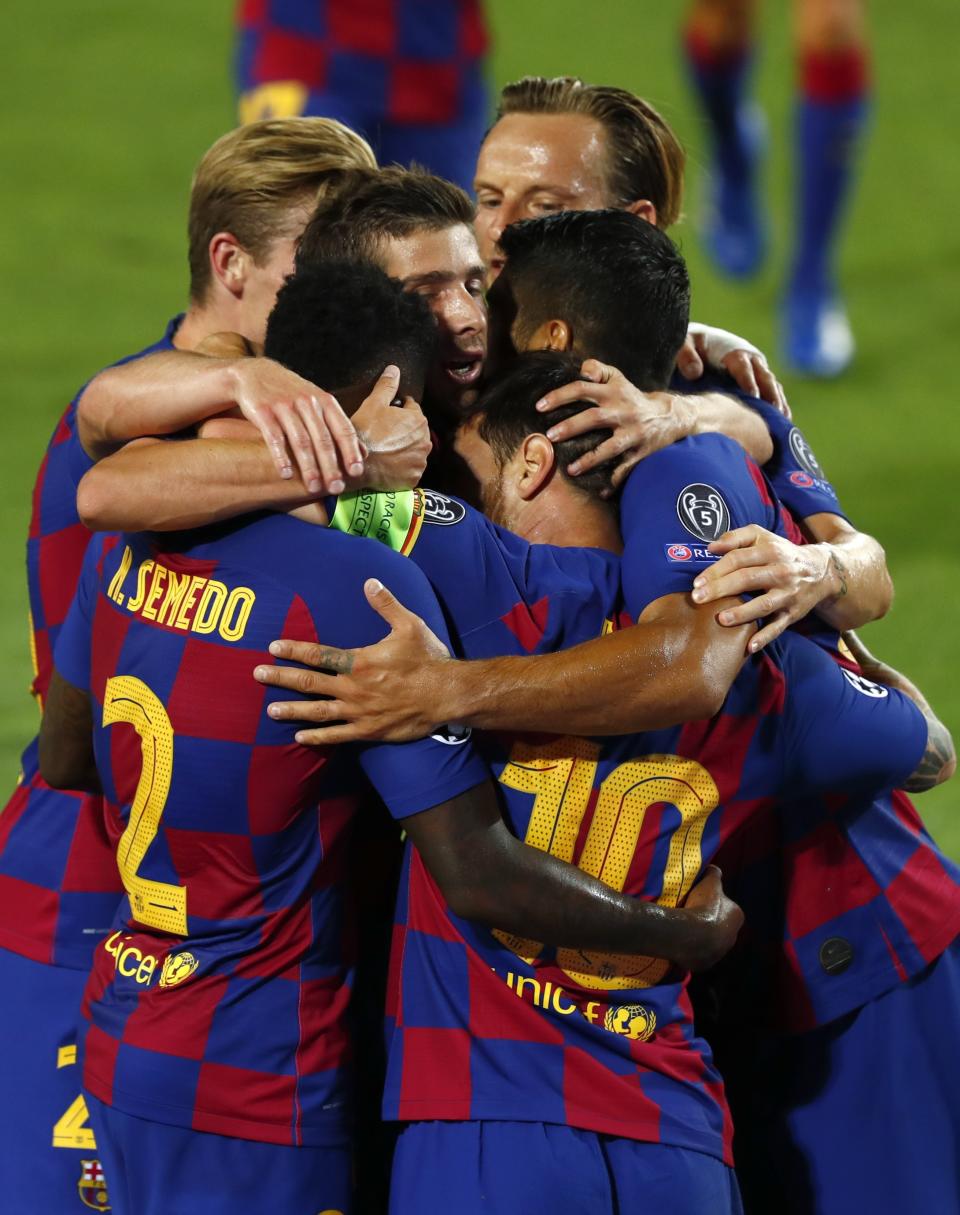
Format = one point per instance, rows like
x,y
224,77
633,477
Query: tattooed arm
x,y
939,761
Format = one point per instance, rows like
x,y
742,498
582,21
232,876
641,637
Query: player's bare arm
x,y
645,422
842,575
66,738
158,486
939,760
486,874
303,427
676,664
723,351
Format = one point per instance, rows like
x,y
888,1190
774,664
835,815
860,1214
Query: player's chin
x,y
454,387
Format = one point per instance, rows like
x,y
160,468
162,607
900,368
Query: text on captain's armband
x,y
191,603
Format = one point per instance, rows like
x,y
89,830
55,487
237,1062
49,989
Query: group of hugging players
x,y
422,624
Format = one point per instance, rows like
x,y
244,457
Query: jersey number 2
x,y
158,905
561,777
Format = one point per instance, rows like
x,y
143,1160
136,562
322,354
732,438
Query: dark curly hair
x,y
339,323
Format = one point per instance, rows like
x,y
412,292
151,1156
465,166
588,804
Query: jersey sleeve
x,y
477,570
793,470
844,732
71,655
413,776
675,503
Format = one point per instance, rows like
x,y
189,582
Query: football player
x,y
59,886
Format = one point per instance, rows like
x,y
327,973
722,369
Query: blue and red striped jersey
x,y
219,1000
399,61
58,877
852,896
486,1025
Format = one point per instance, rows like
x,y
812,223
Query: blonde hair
x,y
255,173
644,157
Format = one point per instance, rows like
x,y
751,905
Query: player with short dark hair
x,y
345,321
611,279
373,207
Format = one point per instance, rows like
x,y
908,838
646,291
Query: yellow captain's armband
x,y
393,517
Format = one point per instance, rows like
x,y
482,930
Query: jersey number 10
x,y
561,778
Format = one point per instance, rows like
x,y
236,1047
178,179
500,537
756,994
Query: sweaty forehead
x,y
564,152
451,251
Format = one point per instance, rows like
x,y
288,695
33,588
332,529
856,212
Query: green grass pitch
x,y
108,108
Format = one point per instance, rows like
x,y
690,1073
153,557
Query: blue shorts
x,y
156,1169
515,1168
862,1114
45,1136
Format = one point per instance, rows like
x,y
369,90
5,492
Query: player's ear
x,y
552,335
537,465
229,262
645,209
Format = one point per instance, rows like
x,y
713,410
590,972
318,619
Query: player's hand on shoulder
x,y
397,439
788,580
641,422
303,426
718,921
723,351
384,692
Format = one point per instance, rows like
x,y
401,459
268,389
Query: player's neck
x,y
201,320
571,524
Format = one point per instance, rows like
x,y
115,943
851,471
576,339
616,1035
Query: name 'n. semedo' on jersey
x,y
188,602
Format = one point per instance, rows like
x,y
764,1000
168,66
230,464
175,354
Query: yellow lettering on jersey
x,y
113,590
145,970
149,611
113,944
278,99
186,601
560,775
159,905
189,601
176,589
233,623
129,961
71,1130
210,607
546,997
133,605
66,1055
131,952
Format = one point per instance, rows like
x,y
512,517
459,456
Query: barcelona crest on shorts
x,y
92,1186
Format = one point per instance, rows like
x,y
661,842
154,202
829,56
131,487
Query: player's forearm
x,y
643,678
526,892
939,760
716,413
487,875
169,486
157,395
857,584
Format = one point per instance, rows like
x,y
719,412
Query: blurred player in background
x,y
832,64
59,886
406,74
